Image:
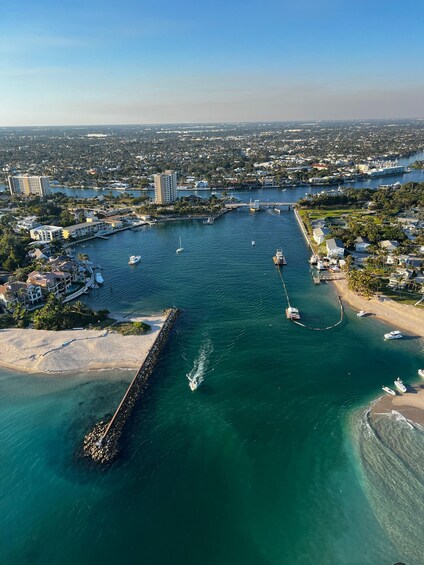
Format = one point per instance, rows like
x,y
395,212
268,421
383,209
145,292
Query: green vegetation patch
x,y
132,328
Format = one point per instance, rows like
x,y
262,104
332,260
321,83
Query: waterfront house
x,y
19,292
319,234
56,282
335,248
85,229
361,244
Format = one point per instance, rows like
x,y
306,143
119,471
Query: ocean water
x,y
269,462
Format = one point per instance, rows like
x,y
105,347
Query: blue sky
x,y
99,62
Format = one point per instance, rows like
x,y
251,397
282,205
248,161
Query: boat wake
x,y
390,450
197,374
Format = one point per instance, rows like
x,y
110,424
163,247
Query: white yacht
x,y
388,390
292,313
253,243
421,373
399,385
361,313
395,334
134,259
313,260
180,249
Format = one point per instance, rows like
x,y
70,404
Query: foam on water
x,y
197,373
390,450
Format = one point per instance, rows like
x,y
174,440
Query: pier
x,y
102,443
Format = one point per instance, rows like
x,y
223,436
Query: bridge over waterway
x,y
264,204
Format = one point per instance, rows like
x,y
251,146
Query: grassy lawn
x,y
403,297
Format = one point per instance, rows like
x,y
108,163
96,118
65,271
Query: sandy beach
x,y
399,316
410,404
40,351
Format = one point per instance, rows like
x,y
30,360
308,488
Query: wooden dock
x,y
102,443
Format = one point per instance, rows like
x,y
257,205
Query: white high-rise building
x,y
26,185
165,187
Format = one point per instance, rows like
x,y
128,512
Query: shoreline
x,y
399,316
76,351
410,405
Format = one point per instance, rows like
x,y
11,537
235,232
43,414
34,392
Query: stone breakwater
x,y
102,443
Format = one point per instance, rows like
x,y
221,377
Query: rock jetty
x,y
102,443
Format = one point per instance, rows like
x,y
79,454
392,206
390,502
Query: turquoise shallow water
x,y
268,462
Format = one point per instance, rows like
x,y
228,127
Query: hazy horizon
x,y
150,63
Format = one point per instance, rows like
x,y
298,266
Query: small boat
x,y
99,279
313,260
421,373
209,221
292,313
276,210
362,313
279,258
180,249
253,243
399,385
320,266
193,384
395,334
134,259
389,390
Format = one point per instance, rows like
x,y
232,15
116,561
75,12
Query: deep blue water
x,y
268,462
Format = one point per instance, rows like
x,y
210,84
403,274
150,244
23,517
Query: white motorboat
x,y
99,278
313,260
395,334
134,259
292,313
253,243
421,373
399,385
389,390
193,385
320,266
180,249
361,313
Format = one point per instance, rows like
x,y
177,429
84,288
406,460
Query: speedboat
x,y
389,390
421,373
193,385
395,334
399,385
253,242
134,259
361,313
292,313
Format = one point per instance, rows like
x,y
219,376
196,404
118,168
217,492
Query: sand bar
x,y
76,351
410,404
399,316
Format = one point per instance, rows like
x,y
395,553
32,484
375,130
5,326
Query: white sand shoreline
x,y
399,316
76,351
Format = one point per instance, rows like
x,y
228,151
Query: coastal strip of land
x,y
410,404
79,350
399,316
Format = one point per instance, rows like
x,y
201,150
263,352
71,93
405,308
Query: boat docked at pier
x,y
292,313
399,385
395,334
388,390
134,259
279,259
313,260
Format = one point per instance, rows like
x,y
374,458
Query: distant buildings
x,y
165,187
26,185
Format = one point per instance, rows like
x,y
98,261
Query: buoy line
x,y
304,325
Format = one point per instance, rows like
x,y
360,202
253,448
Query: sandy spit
x,y
75,351
399,316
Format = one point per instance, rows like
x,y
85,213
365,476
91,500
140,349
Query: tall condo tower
x,y
26,185
165,187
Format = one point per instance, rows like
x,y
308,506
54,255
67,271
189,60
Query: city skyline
x,y
162,63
